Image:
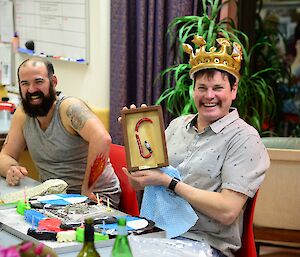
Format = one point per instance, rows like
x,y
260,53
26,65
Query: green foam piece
x,y
22,207
98,236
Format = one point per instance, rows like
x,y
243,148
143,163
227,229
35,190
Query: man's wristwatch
x,y
173,184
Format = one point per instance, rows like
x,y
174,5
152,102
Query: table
x,y
189,249
10,237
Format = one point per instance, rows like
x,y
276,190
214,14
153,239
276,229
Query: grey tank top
x,y
58,154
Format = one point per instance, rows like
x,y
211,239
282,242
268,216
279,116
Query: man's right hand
x,y
15,174
133,106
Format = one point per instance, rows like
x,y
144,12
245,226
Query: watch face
x,y
173,183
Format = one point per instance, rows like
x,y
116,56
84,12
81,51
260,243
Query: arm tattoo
x,y
78,114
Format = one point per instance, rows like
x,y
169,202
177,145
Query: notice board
x,y
58,28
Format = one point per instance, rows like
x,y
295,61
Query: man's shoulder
x,y
19,119
70,102
182,120
240,131
245,127
185,118
232,122
19,114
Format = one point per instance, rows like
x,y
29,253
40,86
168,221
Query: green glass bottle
x,y
121,246
88,249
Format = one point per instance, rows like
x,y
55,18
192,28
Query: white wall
x,y
88,82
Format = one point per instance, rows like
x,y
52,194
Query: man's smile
x,y
35,97
209,105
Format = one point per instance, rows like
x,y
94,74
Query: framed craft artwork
x,y
144,138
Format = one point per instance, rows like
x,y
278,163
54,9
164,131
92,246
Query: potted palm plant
x,y
255,101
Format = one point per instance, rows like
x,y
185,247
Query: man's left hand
x,y
154,177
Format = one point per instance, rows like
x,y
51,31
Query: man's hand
x,y
15,174
90,195
154,177
133,106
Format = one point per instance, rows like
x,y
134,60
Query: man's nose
x,y
32,88
210,93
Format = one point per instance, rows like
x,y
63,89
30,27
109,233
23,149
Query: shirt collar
x,y
218,125
191,121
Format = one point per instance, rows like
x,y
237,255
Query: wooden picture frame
x,y
140,125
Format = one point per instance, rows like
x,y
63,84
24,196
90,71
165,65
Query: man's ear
x,y
234,90
54,80
237,83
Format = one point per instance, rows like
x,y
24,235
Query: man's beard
x,y
42,109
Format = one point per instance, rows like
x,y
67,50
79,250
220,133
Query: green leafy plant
x,y
255,101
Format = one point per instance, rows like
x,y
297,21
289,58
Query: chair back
x,y
248,244
128,200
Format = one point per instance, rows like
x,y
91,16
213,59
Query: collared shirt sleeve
x,y
245,165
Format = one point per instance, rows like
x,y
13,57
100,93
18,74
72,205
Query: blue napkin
x,y
169,211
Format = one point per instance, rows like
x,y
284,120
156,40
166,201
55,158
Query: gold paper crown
x,y
221,59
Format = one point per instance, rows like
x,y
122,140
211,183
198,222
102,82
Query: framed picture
x,y
144,138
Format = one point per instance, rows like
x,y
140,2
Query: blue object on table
x,y
169,211
114,226
62,199
33,217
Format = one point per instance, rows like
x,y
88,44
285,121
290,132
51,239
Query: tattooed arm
x,y
79,119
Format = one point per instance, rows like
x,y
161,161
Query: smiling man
x,y
220,158
63,136
214,91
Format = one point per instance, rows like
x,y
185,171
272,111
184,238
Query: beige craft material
x,y
51,186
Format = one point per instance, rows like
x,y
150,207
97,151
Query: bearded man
x,y
63,136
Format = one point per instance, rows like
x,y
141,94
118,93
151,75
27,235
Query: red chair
x,y
248,244
128,201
